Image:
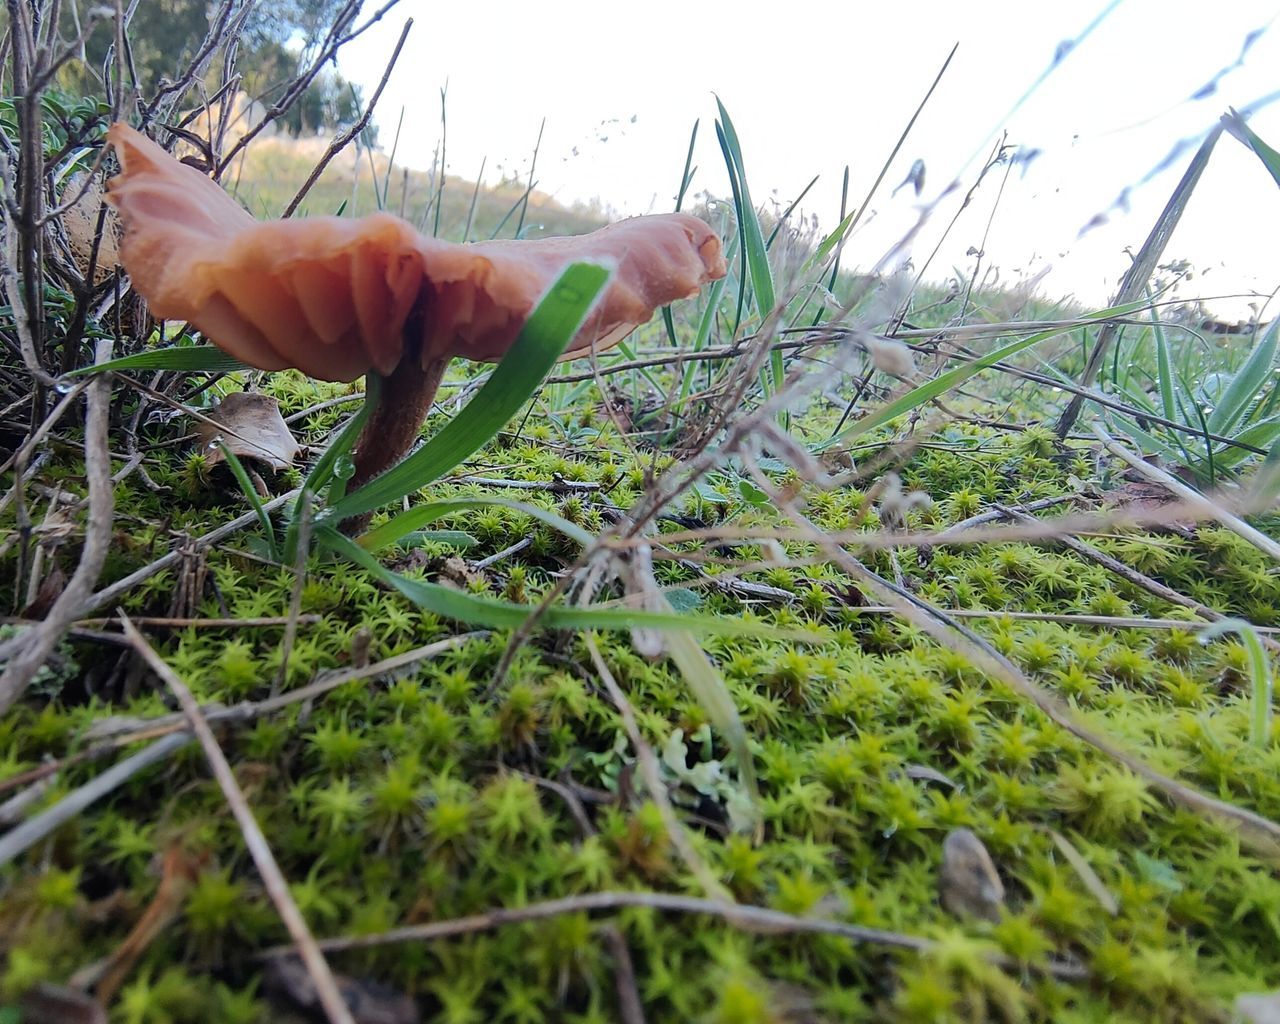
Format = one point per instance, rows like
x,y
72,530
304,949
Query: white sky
x,y
812,86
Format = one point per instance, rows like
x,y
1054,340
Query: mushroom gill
x,y
339,297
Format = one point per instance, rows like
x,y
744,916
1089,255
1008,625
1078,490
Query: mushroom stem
x,y
393,426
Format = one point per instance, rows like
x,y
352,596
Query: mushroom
x,y
339,297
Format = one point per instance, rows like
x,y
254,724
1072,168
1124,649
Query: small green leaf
x,y
709,494
752,494
1247,382
682,599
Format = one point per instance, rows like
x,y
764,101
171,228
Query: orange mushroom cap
x,y
331,296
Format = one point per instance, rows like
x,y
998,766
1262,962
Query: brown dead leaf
x,y
254,429
969,884
80,223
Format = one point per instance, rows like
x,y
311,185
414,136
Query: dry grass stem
x,y
652,775
331,1000
759,920
1206,508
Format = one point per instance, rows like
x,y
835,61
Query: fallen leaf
x,y
924,773
1147,496
252,428
969,884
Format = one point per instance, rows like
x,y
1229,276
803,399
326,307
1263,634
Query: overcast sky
x,y
813,86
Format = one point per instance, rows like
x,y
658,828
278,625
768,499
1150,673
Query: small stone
x,y
969,885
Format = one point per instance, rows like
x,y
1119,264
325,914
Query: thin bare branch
x,y
343,139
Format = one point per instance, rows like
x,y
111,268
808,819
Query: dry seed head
x,y
888,356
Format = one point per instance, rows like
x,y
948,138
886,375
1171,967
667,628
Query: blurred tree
x,y
279,38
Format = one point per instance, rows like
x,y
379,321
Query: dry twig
x,y
35,646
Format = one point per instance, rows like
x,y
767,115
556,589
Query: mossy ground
x,y
418,799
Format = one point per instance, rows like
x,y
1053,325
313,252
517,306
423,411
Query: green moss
x,y
434,795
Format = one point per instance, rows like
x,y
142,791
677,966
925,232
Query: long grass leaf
x,y
324,474
789,211
475,195
444,167
1247,383
496,614
177,357
1240,130
419,516
686,175
753,245
1164,371
251,493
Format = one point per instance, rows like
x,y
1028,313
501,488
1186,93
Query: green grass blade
x,y
391,160
705,324
324,473
177,357
1236,125
1248,381
1149,443
533,166
251,493
495,614
789,211
1259,672
668,321
945,382
824,249
517,378
444,138
452,538
754,249
1164,370
687,175
1262,434
848,219
475,195
419,516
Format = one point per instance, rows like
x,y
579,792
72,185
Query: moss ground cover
x,y
425,796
